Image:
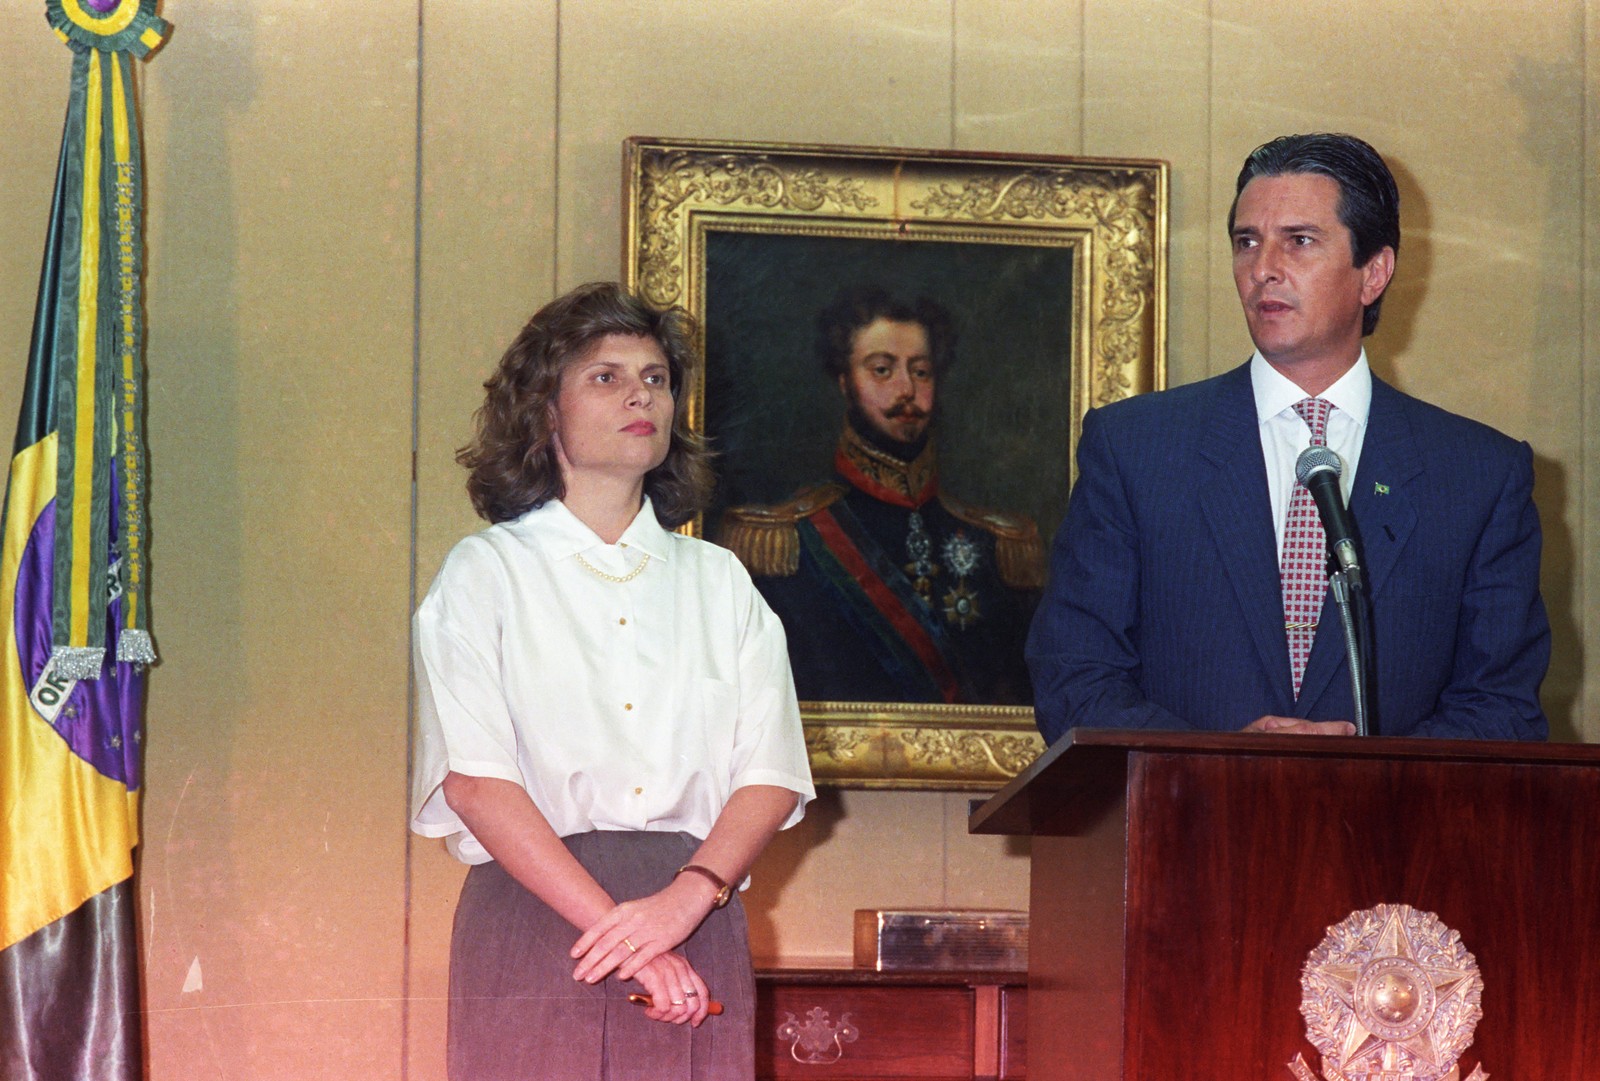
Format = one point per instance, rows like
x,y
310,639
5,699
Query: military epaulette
x,y
1018,549
766,539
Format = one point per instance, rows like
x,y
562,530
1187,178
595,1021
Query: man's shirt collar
x,y
1350,394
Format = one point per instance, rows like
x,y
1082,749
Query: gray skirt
x,y
516,1013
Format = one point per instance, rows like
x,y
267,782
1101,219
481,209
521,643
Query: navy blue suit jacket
x,y
1164,607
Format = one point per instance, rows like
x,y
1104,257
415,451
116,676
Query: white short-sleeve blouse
x,y
618,705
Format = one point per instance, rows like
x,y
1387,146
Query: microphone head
x,y
1317,459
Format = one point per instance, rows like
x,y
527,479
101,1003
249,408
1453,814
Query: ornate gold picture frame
x,y
1051,274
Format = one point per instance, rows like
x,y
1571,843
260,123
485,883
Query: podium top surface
x,y
1088,764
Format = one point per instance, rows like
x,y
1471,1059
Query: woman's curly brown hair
x,y
512,460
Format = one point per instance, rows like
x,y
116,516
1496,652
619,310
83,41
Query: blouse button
x,y
638,791
627,705
623,621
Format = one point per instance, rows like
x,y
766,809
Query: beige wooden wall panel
x,y
1147,71
33,93
280,170
488,230
854,850
875,72
488,167
1018,77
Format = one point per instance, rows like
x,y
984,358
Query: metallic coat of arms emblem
x,y
1390,994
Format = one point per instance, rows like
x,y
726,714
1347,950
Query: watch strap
x,y
724,890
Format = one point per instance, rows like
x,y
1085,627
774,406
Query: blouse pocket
x,y
719,712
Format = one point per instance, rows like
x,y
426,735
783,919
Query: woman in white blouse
x,y
607,726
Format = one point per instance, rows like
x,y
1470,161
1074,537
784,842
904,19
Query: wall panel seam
x,y
1586,417
411,584
1211,172
953,76
555,159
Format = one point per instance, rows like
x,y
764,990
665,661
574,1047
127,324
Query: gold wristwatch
x,y
724,891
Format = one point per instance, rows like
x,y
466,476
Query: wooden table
x,y
832,1022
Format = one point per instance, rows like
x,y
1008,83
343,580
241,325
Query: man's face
x,y
1292,266
890,379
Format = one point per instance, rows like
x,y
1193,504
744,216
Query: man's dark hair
x,y
860,305
512,458
1369,202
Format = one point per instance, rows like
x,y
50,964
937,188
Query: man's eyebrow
x,y
1284,230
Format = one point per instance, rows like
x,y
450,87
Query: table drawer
x,y
827,1031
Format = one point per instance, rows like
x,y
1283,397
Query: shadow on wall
x,y
1552,87
779,865
1558,570
1413,270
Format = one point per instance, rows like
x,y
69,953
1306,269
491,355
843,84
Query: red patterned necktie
x,y
1304,563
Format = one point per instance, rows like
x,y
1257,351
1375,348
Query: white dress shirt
x,y
1284,435
637,705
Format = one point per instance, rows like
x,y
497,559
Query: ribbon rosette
x,y
113,26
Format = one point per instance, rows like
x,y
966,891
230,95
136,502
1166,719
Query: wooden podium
x,y
1181,880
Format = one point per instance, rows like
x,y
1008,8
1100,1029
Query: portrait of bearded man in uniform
x,y
890,589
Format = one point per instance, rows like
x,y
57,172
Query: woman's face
x,y
614,411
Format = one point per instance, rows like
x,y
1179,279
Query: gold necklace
x,y
598,573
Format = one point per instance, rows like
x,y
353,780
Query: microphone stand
x,y
1349,595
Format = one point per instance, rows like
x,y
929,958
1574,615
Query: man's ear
x,y
1376,275
844,387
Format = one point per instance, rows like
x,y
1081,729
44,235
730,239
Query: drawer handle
x,y
822,1041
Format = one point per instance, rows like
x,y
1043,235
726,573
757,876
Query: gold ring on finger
x,y
631,947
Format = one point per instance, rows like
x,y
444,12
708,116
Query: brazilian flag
x,y
74,634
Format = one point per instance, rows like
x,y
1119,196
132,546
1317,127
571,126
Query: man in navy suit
x,y
1165,607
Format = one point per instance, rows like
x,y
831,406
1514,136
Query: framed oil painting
x,y
900,347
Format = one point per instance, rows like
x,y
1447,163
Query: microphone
x,y
1318,468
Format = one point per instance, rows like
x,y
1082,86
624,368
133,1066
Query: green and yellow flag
x,y
74,637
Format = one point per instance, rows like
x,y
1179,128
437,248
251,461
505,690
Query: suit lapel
x,y
1384,514
1380,501
1234,500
